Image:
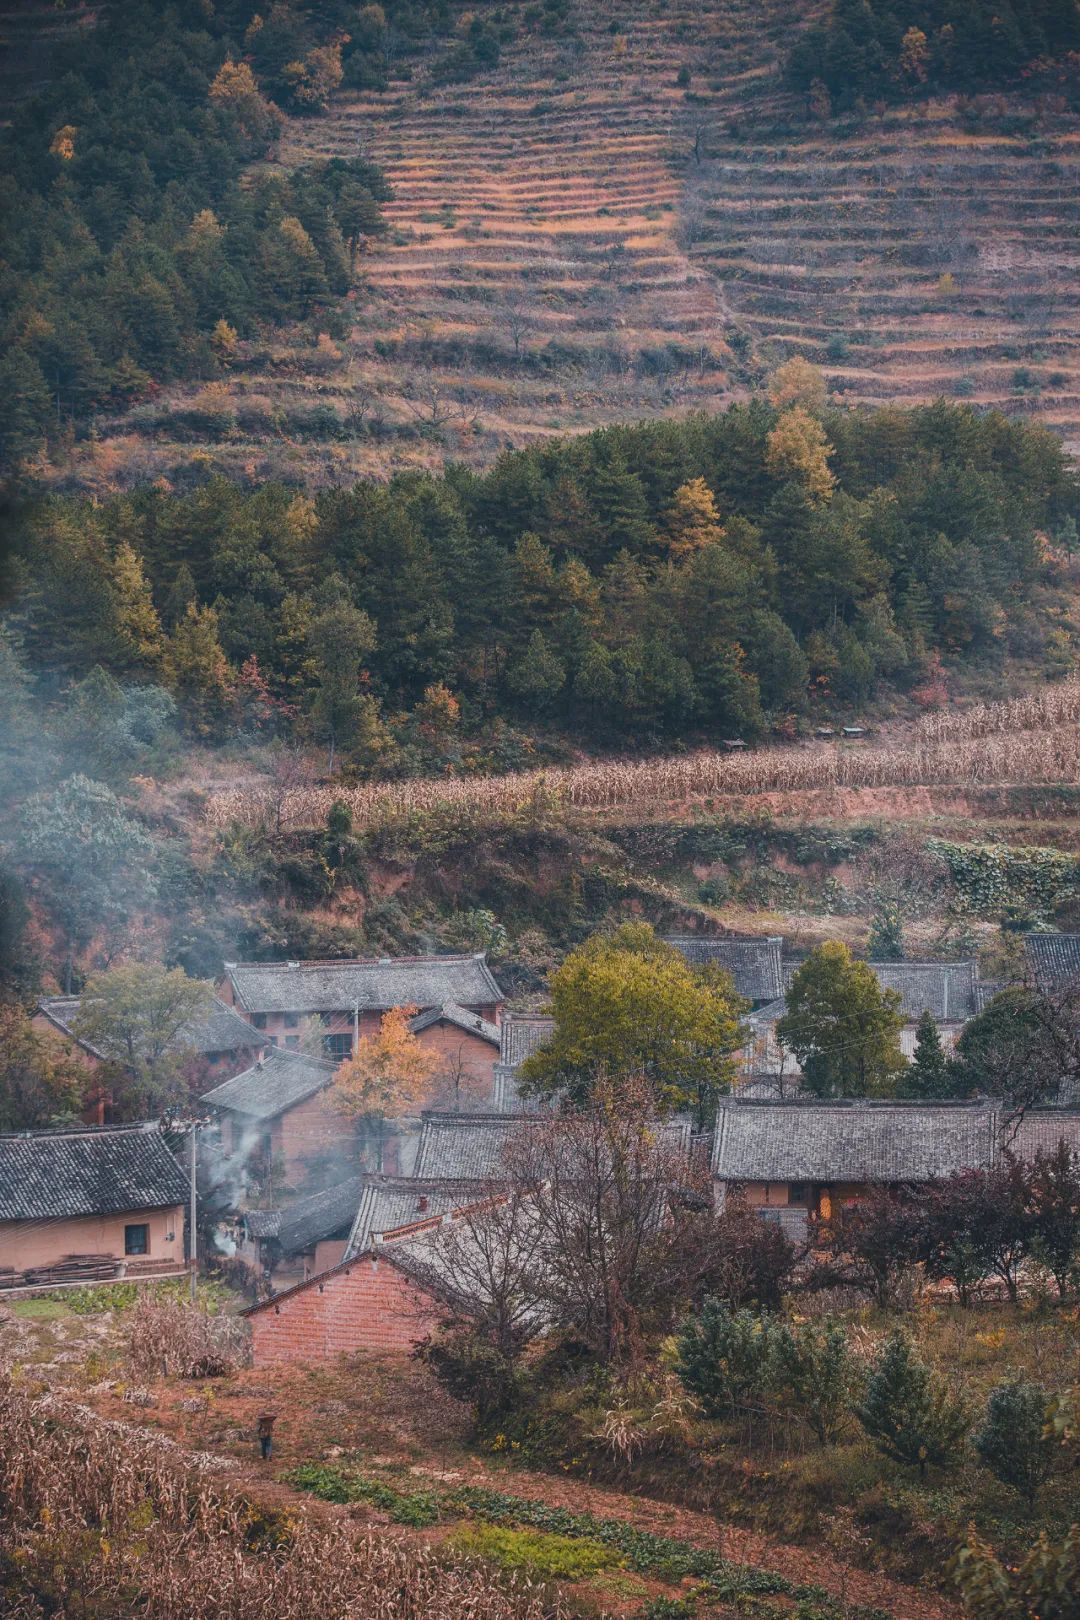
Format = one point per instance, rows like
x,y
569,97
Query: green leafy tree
x,y
628,1005
92,862
723,1357
1012,1048
1015,1441
843,1028
139,1016
38,1087
908,1413
928,1074
817,1374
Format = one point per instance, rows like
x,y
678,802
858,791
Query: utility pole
x,y
355,1027
194,1229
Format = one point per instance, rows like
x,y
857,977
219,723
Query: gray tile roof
x,y
1053,960
405,981
470,1147
754,964
262,1223
946,990
851,1141
464,1147
321,1215
521,1036
275,1082
47,1175
1040,1130
222,1030
460,1017
219,1030
388,1203
506,1096
985,991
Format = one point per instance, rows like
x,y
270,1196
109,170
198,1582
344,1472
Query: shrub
x,y
723,1356
911,1417
1015,1441
814,1366
745,1260
1042,1586
535,1552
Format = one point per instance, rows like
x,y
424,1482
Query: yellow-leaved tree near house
x,y
388,1075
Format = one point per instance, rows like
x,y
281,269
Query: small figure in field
x,y
266,1434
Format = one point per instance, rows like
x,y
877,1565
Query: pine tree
x,y
198,669
137,622
693,521
724,1356
1013,1441
928,1075
912,1418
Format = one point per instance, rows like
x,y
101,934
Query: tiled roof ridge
x,y
145,1127
736,1100
359,961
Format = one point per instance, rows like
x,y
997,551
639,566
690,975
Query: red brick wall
x,y
367,1306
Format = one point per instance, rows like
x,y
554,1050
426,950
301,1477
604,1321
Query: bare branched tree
x,y
607,1185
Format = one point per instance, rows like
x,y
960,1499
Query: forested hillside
x,y
664,581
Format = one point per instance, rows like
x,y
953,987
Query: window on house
x,y
337,1046
292,1042
137,1239
292,1020
259,1020
797,1192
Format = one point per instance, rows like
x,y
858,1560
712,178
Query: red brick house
x,y
277,1108
381,1301
86,1202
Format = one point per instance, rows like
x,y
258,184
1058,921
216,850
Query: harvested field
x,y
1031,740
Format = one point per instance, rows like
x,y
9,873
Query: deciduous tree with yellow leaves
x,y
798,451
693,521
387,1075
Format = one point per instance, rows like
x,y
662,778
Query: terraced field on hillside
x,y
577,238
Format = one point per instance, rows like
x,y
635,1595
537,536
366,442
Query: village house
x,y
217,1044
949,991
307,1236
791,1160
392,1203
520,1037
382,1300
754,964
346,1000
86,1203
1053,962
276,1111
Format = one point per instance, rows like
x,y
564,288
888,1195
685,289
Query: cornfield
x,y
1031,740
167,1339
100,1519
